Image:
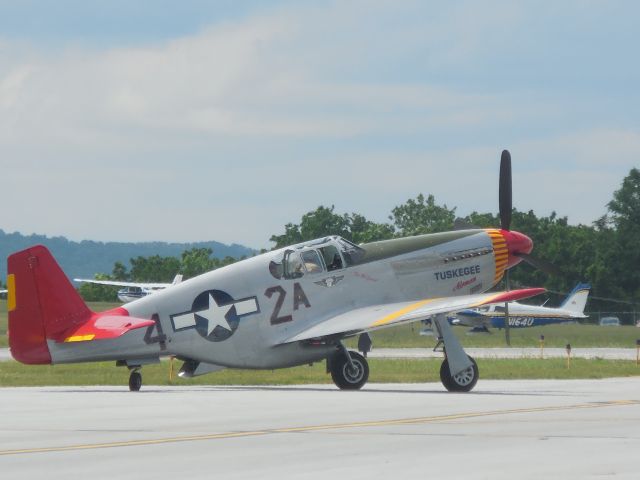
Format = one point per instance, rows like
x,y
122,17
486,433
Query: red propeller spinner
x,y
517,243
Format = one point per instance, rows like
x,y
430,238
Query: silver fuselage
x,y
267,310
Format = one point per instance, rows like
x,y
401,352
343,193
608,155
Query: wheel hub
x,y
465,377
353,374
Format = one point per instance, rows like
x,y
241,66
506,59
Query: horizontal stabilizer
x,y
103,326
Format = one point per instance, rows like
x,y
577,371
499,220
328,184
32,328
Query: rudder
x,y
577,299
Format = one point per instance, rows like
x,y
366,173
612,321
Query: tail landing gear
x,y
134,366
135,380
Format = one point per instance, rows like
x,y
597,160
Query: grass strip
x,y
13,374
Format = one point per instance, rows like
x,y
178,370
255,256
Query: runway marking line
x,y
314,428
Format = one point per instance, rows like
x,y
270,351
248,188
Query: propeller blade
x,y
507,333
538,263
505,196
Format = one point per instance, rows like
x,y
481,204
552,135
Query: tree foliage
x,y
154,269
605,254
622,257
92,292
199,260
422,215
323,221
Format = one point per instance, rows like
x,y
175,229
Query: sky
x,y
225,120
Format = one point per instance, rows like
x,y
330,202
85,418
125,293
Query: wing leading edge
x,y
387,315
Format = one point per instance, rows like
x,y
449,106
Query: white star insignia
x,y
216,315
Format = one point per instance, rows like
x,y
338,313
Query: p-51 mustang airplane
x,y
521,315
287,307
132,290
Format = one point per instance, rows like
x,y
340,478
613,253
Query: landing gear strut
x,y
349,370
458,372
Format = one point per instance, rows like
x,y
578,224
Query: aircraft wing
x,y
387,315
116,283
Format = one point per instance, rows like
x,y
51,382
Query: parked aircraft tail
x,y
44,307
577,299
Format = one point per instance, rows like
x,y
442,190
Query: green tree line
x,y
605,254
154,269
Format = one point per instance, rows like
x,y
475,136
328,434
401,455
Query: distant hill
x,y
86,258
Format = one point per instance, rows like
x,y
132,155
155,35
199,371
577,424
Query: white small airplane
x,y
522,316
132,290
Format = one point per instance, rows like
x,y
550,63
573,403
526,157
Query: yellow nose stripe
x,y
11,294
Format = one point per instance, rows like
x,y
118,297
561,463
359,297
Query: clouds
x,y
237,126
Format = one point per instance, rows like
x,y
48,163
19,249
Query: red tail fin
x,y
42,304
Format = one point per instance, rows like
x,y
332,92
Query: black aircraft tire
x,y
135,381
464,381
445,376
342,374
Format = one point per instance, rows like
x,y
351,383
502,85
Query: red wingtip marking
x,y
514,295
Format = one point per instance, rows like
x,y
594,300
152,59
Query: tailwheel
x,y
461,382
135,381
349,375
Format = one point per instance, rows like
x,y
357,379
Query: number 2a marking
x,y
275,315
299,298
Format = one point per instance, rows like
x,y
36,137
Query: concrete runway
x,y
575,429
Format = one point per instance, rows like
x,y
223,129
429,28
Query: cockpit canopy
x,y
317,256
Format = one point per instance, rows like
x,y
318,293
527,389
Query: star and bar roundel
x,y
215,315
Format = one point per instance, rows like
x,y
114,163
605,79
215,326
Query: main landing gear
x,y
461,382
458,372
349,370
